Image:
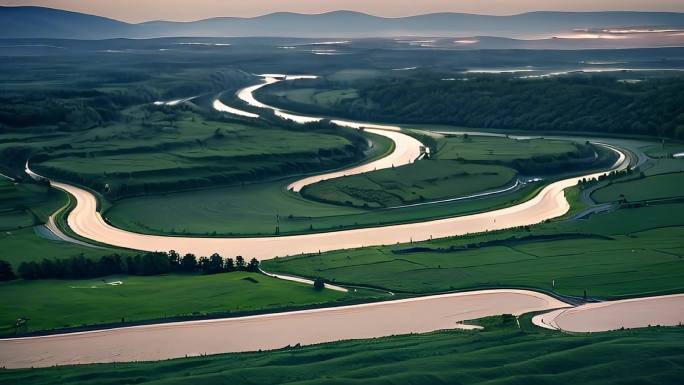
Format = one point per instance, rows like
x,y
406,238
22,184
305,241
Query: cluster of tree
x,y
146,264
610,177
6,272
569,103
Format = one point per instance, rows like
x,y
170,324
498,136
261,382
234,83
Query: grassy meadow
x,y
660,186
27,204
631,251
492,148
54,304
354,201
460,166
24,245
616,266
418,182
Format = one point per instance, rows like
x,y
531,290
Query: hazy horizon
x,y
148,10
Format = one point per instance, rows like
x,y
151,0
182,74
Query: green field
x,y
313,96
23,245
490,148
462,165
664,151
630,251
257,209
24,206
499,354
50,304
633,265
418,182
664,166
190,152
27,204
653,187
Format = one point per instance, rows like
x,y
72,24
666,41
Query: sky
x,y
184,10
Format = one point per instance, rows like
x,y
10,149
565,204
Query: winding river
x,y
550,202
271,331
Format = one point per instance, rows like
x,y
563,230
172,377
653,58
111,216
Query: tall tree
x,y
6,273
29,270
229,265
239,263
189,263
174,260
253,265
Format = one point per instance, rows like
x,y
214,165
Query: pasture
x,y
492,148
418,182
660,186
350,202
24,245
606,254
51,304
189,152
257,209
27,204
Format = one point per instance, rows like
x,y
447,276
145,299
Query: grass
x,y
257,209
499,354
485,148
189,151
316,97
418,182
27,204
643,256
653,187
665,166
50,304
240,141
574,197
254,209
663,150
23,245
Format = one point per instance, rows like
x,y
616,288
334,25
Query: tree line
x,y
145,264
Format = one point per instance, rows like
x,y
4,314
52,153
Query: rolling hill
x,y
39,22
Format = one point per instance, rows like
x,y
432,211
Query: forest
x,y
652,106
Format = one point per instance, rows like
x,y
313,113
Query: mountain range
x,y
40,22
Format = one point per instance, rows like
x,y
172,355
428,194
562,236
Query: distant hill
x,y
24,22
38,22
